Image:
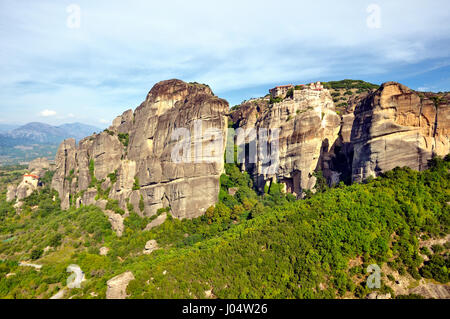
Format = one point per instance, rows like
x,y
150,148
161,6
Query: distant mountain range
x,y
23,143
41,133
5,128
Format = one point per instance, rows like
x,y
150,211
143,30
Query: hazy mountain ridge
x,y
5,128
35,139
36,132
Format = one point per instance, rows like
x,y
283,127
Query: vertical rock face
x,y
393,127
30,181
65,162
308,127
381,129
138,148
133,161
11,193
39,166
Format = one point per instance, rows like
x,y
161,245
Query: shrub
x,y
36,254
113,177
124,138
55,241
136,185
141,204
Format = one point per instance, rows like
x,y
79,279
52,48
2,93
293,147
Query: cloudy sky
x,y
88,61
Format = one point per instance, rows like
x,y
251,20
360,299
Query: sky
x,y
89,61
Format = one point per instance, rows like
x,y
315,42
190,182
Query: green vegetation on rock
x,y
246,246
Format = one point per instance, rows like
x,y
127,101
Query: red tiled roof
x,y
284,86
29,175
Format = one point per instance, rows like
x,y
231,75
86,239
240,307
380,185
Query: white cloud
x,y
47,113
103,121
108,64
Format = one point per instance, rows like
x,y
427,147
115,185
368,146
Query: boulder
x,y
104,251
116,221
117,286
150,246
11,193
157,221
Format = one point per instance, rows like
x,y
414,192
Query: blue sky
x,y
54,70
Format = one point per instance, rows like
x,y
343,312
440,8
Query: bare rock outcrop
x,y
30,181
65,165
380,130
395,126
117,286
150,246
116,221
104,251
432,291
157,221
308,126
132,161
39,166
376,295
11,193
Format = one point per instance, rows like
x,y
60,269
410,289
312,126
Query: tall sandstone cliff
x,y
145,172
384,128
308,126
394,126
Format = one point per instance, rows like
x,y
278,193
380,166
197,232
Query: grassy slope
x,y
245,247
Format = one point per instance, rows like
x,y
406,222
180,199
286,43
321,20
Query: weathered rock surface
x,y
117,286
157,221
393,127
30,182
376,295
380,130
39,166
308,127
150,246
132,162
138,148
433,291
11,193
116,221
104,251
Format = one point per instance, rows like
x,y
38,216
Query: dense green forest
x,y
247,246
350,84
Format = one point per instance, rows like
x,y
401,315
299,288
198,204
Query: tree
x,y
56,240
36,254
141,204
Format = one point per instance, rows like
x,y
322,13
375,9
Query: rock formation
x,y
432,291
389,127
116,221
104,251
132,161
117,286
308,127
30,181
150,246
394,126
157,221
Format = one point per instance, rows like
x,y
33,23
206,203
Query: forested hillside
x,y
247,246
